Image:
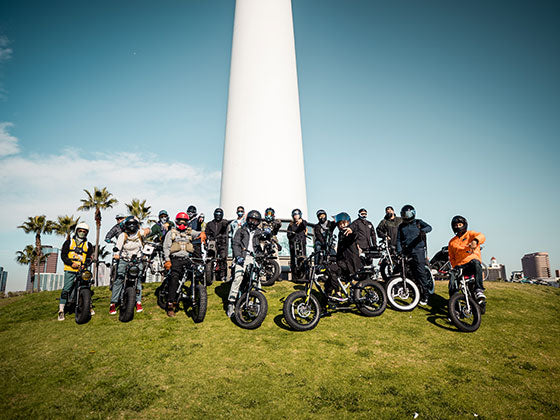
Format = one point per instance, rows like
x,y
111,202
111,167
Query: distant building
x,y
496,271
50,281
47,266
3,280
536,265
557,273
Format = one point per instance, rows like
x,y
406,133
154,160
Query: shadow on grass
x,y
438,313
222,291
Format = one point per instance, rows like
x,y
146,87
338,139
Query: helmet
x,y
408,213
191,211
253,219
296,212
456,220
218,214
182,220
342,217
83,226
269,214
321,212
131,225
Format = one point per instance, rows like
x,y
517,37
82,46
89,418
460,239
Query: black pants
x,y
197,253
472,268
178,266
297,249
418,268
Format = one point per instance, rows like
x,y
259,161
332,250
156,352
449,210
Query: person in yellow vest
x,y
74,253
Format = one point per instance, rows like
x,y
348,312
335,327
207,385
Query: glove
x,y
240,260
167,265
203,236
267,230
108,241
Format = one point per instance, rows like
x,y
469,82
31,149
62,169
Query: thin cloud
x,y
54,184
5,50
8,143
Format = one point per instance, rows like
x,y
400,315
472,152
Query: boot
x,y
171,309
61,312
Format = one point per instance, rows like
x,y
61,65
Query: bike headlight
x,y
86,275
133,271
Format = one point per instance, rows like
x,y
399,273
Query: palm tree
x,y
140,210
99,200
28,257
38,225
65,225
103,253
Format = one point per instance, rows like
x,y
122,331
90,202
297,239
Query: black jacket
x,y
366,234
389,228
217,230
347,255
321,235
297,233
194,224
411,236
114,232
241,241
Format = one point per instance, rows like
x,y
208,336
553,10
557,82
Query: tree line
x,y
98,200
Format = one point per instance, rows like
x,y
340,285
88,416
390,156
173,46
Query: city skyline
x,y
450,107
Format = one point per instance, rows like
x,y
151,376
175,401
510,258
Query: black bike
x,y
129,290
270,268
403,291
215,267
302,309
465,312
79,300
193,297
387,259
251,305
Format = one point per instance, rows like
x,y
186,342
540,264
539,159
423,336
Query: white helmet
x,y
83,226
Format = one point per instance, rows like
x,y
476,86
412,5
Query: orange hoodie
x,y
459,251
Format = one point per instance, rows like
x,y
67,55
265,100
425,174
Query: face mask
x,y
240,214
164,219
388,216
81,235
363,217
322,219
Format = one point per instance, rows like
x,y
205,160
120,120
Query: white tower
x,y
263,153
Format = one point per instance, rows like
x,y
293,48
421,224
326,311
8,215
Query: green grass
x,y
350,366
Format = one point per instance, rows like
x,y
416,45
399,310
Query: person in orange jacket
x,y
464,252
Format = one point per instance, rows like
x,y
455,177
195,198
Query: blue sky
x,y
450,106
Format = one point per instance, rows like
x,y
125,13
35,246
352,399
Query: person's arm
x,y
424,227
381,230
64,253
399,246
276,228
236,244
112,233
120,242
373,242
290,231
479,237
167,246
452,254
90,251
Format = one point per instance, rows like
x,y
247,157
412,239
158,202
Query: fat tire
x,y
379,289
208,273
290,318
200,303
126,311
258,320
275,267
392,285
83,306
384,268
162,296
455,316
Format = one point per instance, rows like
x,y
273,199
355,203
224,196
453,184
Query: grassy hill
x,y
350,366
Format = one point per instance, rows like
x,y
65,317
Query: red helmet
x,y
182,220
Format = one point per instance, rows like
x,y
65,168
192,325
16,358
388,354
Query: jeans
x,y
69,277
473,267
418,268
119,282
178,266
238,278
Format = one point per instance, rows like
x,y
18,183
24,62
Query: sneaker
x,y
113,309
92,312
230,309
171,311
61,316
479,294
139,307
423,301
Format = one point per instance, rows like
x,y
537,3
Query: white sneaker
x,y
92,312
61,316
423,302
229,311
479,294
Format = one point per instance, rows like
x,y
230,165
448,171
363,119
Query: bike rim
x,y
250,309
302,312
462,313
371,298
403,294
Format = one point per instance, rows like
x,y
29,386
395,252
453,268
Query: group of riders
x,y
185,239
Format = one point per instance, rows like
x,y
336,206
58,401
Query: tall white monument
x,y
263,153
